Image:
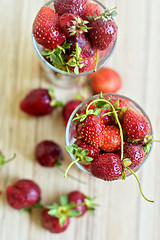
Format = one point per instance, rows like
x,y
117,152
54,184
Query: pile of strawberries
x,y
112,139
25,195
73,32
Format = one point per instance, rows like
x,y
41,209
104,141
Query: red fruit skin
x,y
93,151
112,139
107,167
77,7
52,223
105,119
86,61
78,198
83,43
91,10
136,125
106,80
68,108
46,30
102,33
23,194
135,153
37,103
91,130
48,153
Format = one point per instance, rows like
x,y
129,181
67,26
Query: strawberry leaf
x,y
64,200
4,161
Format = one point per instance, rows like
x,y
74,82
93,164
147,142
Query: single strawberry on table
x,y
39,102
46,29
23,194
105,80
48,153
52,223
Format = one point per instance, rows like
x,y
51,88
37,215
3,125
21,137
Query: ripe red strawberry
x,y
105,118
52,223
83,43
92,10
107,167
80,64
136,125
38,102
68,108
91,130
135,153
23,194
72,24
48,153
93,151
105,80
112,139
103,31
46,30
77,7
78,198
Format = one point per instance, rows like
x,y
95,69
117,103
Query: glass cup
x,y
61,78
71,126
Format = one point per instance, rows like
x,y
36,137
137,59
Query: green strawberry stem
x,y
116,117
130,170
70,165
96,63
77,52
72,177
4,161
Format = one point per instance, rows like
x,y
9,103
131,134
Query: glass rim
x,y
92,98
35,44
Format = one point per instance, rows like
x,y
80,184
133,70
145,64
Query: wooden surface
x,y
123,213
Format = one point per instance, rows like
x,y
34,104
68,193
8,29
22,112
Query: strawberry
x,y
72,25
46,30
92,10
48,153
112,139
135,153
77,7
83,43
23,194
91,130
78,62
93,151
78,198
103,30
39,102
105,118
105,80
52,223
107,167
136,125
68,108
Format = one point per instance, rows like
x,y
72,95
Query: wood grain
x,y
123,213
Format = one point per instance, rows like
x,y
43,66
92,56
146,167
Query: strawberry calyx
x,y
108,14
54,102
79,26
57,56
4,161
67,209
79,154
76,61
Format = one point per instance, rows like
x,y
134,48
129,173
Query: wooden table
x,y
123,213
